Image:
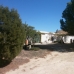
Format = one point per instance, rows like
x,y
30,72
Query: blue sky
x,y
44,15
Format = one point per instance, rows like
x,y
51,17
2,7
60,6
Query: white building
x,y
64,36
46,37
68,39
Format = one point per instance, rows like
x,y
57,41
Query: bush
x,y
11,35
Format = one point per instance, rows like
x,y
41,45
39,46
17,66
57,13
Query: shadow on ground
x,y
47,48
57,47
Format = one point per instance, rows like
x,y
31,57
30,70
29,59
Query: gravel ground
x,y
23,58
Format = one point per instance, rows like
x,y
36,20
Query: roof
x,y
43,32
61,32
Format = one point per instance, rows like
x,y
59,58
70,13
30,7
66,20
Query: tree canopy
x,y
67,21
30,32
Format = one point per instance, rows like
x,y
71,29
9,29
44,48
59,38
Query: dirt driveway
x,y
51,59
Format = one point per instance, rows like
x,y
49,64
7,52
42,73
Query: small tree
x,y
11,34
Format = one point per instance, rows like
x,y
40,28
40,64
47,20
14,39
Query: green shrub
x,y
11,35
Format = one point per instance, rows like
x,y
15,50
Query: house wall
x,y
45,38
67,39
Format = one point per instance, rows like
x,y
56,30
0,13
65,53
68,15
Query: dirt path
x,y
54,63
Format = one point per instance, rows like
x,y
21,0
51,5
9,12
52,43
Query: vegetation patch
x,y
35,48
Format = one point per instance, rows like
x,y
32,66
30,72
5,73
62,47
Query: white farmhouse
x,y
64,36
68,39
46,37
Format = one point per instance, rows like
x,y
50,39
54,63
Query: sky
x,y
44,15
